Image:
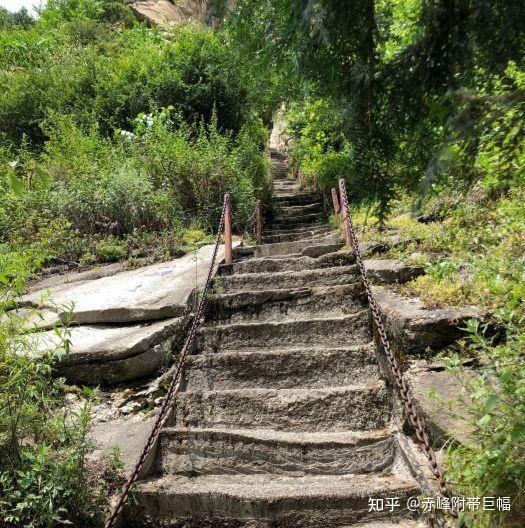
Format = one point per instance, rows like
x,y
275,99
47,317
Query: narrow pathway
x,y
284,418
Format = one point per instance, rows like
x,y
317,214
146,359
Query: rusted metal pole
x,y
228,230
344,212
258,223
337,207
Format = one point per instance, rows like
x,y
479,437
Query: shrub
x,y
492,464
44,476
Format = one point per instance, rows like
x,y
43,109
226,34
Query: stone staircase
x,y
284,418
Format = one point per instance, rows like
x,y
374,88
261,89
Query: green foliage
x,y
19,19
493,464
414,81
44,476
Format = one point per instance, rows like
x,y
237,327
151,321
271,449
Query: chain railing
x,y
169,398
402,389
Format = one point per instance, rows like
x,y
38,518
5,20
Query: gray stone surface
x,y
414,328
354,407
204,451
287,304
337,275
442,401
127,434
153,292
281,368
264,501
390,271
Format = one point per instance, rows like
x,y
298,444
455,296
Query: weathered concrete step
x,y
286,263
263,500
288,211
333,276
281,305
321,332
281,368
355,407
237,451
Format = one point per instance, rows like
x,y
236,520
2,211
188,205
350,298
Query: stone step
x,y
311,247
300,198
297,247
322,332
287,263
291,211
264,500
297,229
305,232
354,407
246,451
286,305
333,276
405,523
281,368
290,221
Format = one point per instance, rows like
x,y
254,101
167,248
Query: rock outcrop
x,y
166,13
415,328
122,326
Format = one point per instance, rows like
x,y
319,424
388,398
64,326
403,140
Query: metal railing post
x,y
258,223
344,212
228,230
337,207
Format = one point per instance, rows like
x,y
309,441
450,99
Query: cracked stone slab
x,y
153,292
111,354
415,328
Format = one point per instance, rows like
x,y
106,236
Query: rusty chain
x,y
393,362
169,398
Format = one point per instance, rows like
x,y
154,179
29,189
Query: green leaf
x,y
491,402
484,420
42,177
15,184
518,432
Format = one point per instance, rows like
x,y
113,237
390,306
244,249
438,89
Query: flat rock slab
x,y
414,328
111,354
442,400
391,271
127,434
153,292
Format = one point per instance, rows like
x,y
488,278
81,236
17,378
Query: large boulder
x,y
165,14
159,291
415,328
